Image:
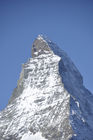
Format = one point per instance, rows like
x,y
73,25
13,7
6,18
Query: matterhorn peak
x,y
50,101
40,37
40,46
43,37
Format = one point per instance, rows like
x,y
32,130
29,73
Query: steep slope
x,y
50,101
81,100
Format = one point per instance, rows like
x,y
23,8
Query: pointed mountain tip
x,y
40,46
43,45
40,36
44,38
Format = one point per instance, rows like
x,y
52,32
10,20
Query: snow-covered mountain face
x,y
50,101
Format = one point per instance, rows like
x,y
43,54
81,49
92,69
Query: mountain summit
x,y
50,101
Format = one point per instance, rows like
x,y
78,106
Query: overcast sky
x,y
69,23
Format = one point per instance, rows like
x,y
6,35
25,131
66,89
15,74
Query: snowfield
x,y
36,136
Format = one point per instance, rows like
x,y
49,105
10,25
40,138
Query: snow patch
x,y
73,112
77,103
36,53
83,120
37,136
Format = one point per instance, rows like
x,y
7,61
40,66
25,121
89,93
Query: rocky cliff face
x,y
50,101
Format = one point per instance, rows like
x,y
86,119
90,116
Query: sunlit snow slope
x,y
50,101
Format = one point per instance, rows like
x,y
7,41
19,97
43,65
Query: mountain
x,y
50,101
